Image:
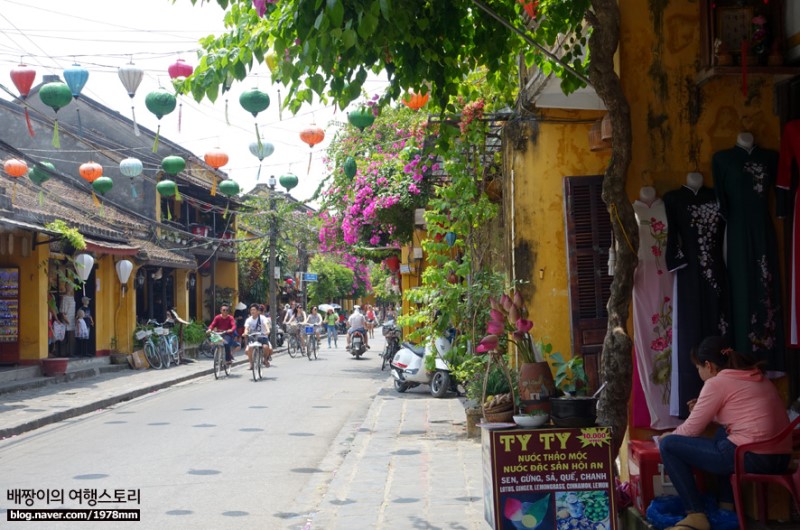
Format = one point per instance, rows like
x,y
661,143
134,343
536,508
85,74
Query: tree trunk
x,y
616,364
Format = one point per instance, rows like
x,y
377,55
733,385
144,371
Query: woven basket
x,y
499,417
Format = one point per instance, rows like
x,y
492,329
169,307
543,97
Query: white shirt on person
x,y
357,321
259,324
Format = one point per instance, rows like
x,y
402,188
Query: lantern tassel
x,y
135,125
155,143
180,115
41,198
28,121
56,139
178,197
14,192
95,200
169,214
134,193
80,125
214,186
280,111
308,171
258,137
227,120
258,175
225,213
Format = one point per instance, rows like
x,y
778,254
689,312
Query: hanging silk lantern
x,y
160,102
178,72
261,151
23,76
76,77
83,266
229,188
167,188
173,164
55,95
288,181
90,171
15,168
393,264
254,101
102,185
350,167
416,101
361,118
450,237
39,174
131,76
215,158
131,167
312,136
124,268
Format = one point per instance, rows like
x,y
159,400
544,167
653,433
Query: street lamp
x,y
273,236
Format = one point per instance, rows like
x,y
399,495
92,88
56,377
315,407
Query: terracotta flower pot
x,y
536,387
54,366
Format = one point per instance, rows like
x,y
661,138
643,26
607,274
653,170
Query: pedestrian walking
x,y
331,318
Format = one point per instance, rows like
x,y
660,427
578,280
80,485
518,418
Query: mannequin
x,y
745,141
694,181
647,195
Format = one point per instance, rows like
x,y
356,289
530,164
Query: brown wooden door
x,y
588,231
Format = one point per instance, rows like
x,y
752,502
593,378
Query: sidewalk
x,y
408,464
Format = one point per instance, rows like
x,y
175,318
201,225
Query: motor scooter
x,y
357,346
408,368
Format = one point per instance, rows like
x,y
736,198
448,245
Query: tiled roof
x,y
156,255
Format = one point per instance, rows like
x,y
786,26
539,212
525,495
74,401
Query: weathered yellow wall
x,y
33,297
106,297
560,149
227,275
182,294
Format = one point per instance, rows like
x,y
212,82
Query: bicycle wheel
x,y
219,361
152,355
225,363
206,349
292,346
172,344
163,350
309,346
316,347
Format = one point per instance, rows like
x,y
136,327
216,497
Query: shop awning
x,y
115,249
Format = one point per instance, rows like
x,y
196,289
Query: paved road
x,y
325,444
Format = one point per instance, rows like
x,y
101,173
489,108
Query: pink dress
x,y
652,314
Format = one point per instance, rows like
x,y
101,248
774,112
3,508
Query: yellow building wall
x,y
227,275
560,149
33,295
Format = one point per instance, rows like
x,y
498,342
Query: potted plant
x,y
574,408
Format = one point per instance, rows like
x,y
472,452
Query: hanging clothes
x,y
742,179
790,154
700,301
652,314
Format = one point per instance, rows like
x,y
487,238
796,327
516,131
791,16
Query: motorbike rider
x,y
357,322
260,324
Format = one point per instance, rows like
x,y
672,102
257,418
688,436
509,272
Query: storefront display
x,y
9,315
550,479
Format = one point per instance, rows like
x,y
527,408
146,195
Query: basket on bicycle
x,y
390,331
141,334
309,330
215,338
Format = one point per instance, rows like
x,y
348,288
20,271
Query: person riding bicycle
x,y
357,322
225,325
257,324
293,320
314,319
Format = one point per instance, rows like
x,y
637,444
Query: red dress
x,y
790,154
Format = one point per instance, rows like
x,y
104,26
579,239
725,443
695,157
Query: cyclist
x,y
225,325
293,319
330,320
370,315
357,322
314,319
257,323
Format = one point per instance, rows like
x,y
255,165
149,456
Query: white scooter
x,y
408,368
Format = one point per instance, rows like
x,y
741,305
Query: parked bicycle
x,y
312,344
218,345
161,346
392,335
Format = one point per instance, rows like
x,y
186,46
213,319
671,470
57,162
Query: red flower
x,y
655,250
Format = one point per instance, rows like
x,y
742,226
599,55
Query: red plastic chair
x,y
789,480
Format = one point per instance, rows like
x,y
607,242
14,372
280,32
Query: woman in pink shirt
x,y
746,405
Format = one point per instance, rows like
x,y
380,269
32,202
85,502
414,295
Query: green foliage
x,y
570,376
72,235
385,285
194,333
334,281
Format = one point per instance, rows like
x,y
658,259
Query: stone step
x,y
76,369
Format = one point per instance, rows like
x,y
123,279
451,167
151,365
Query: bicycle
x,y
258,354
220,364
150,349
311,341
293,345
392,335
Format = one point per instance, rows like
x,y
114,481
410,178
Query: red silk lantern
x,y
530,7
91,171
22,77
393,263
180,69
216,159
416,101
312,136
15,168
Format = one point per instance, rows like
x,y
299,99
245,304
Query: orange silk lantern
x,y
15,168
312,136
91,171
216,159
416,101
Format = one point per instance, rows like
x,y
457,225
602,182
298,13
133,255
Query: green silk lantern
x,y
167,188
160,102
288,181
350,167
55,95
102,185
254,101
38,175
361,118
228,187
173,164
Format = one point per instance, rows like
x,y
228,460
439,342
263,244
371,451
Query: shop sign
x,y
549,479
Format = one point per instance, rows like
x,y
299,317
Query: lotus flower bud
x,y
513,315
518,301
497,316
506,302
494,327
524,326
